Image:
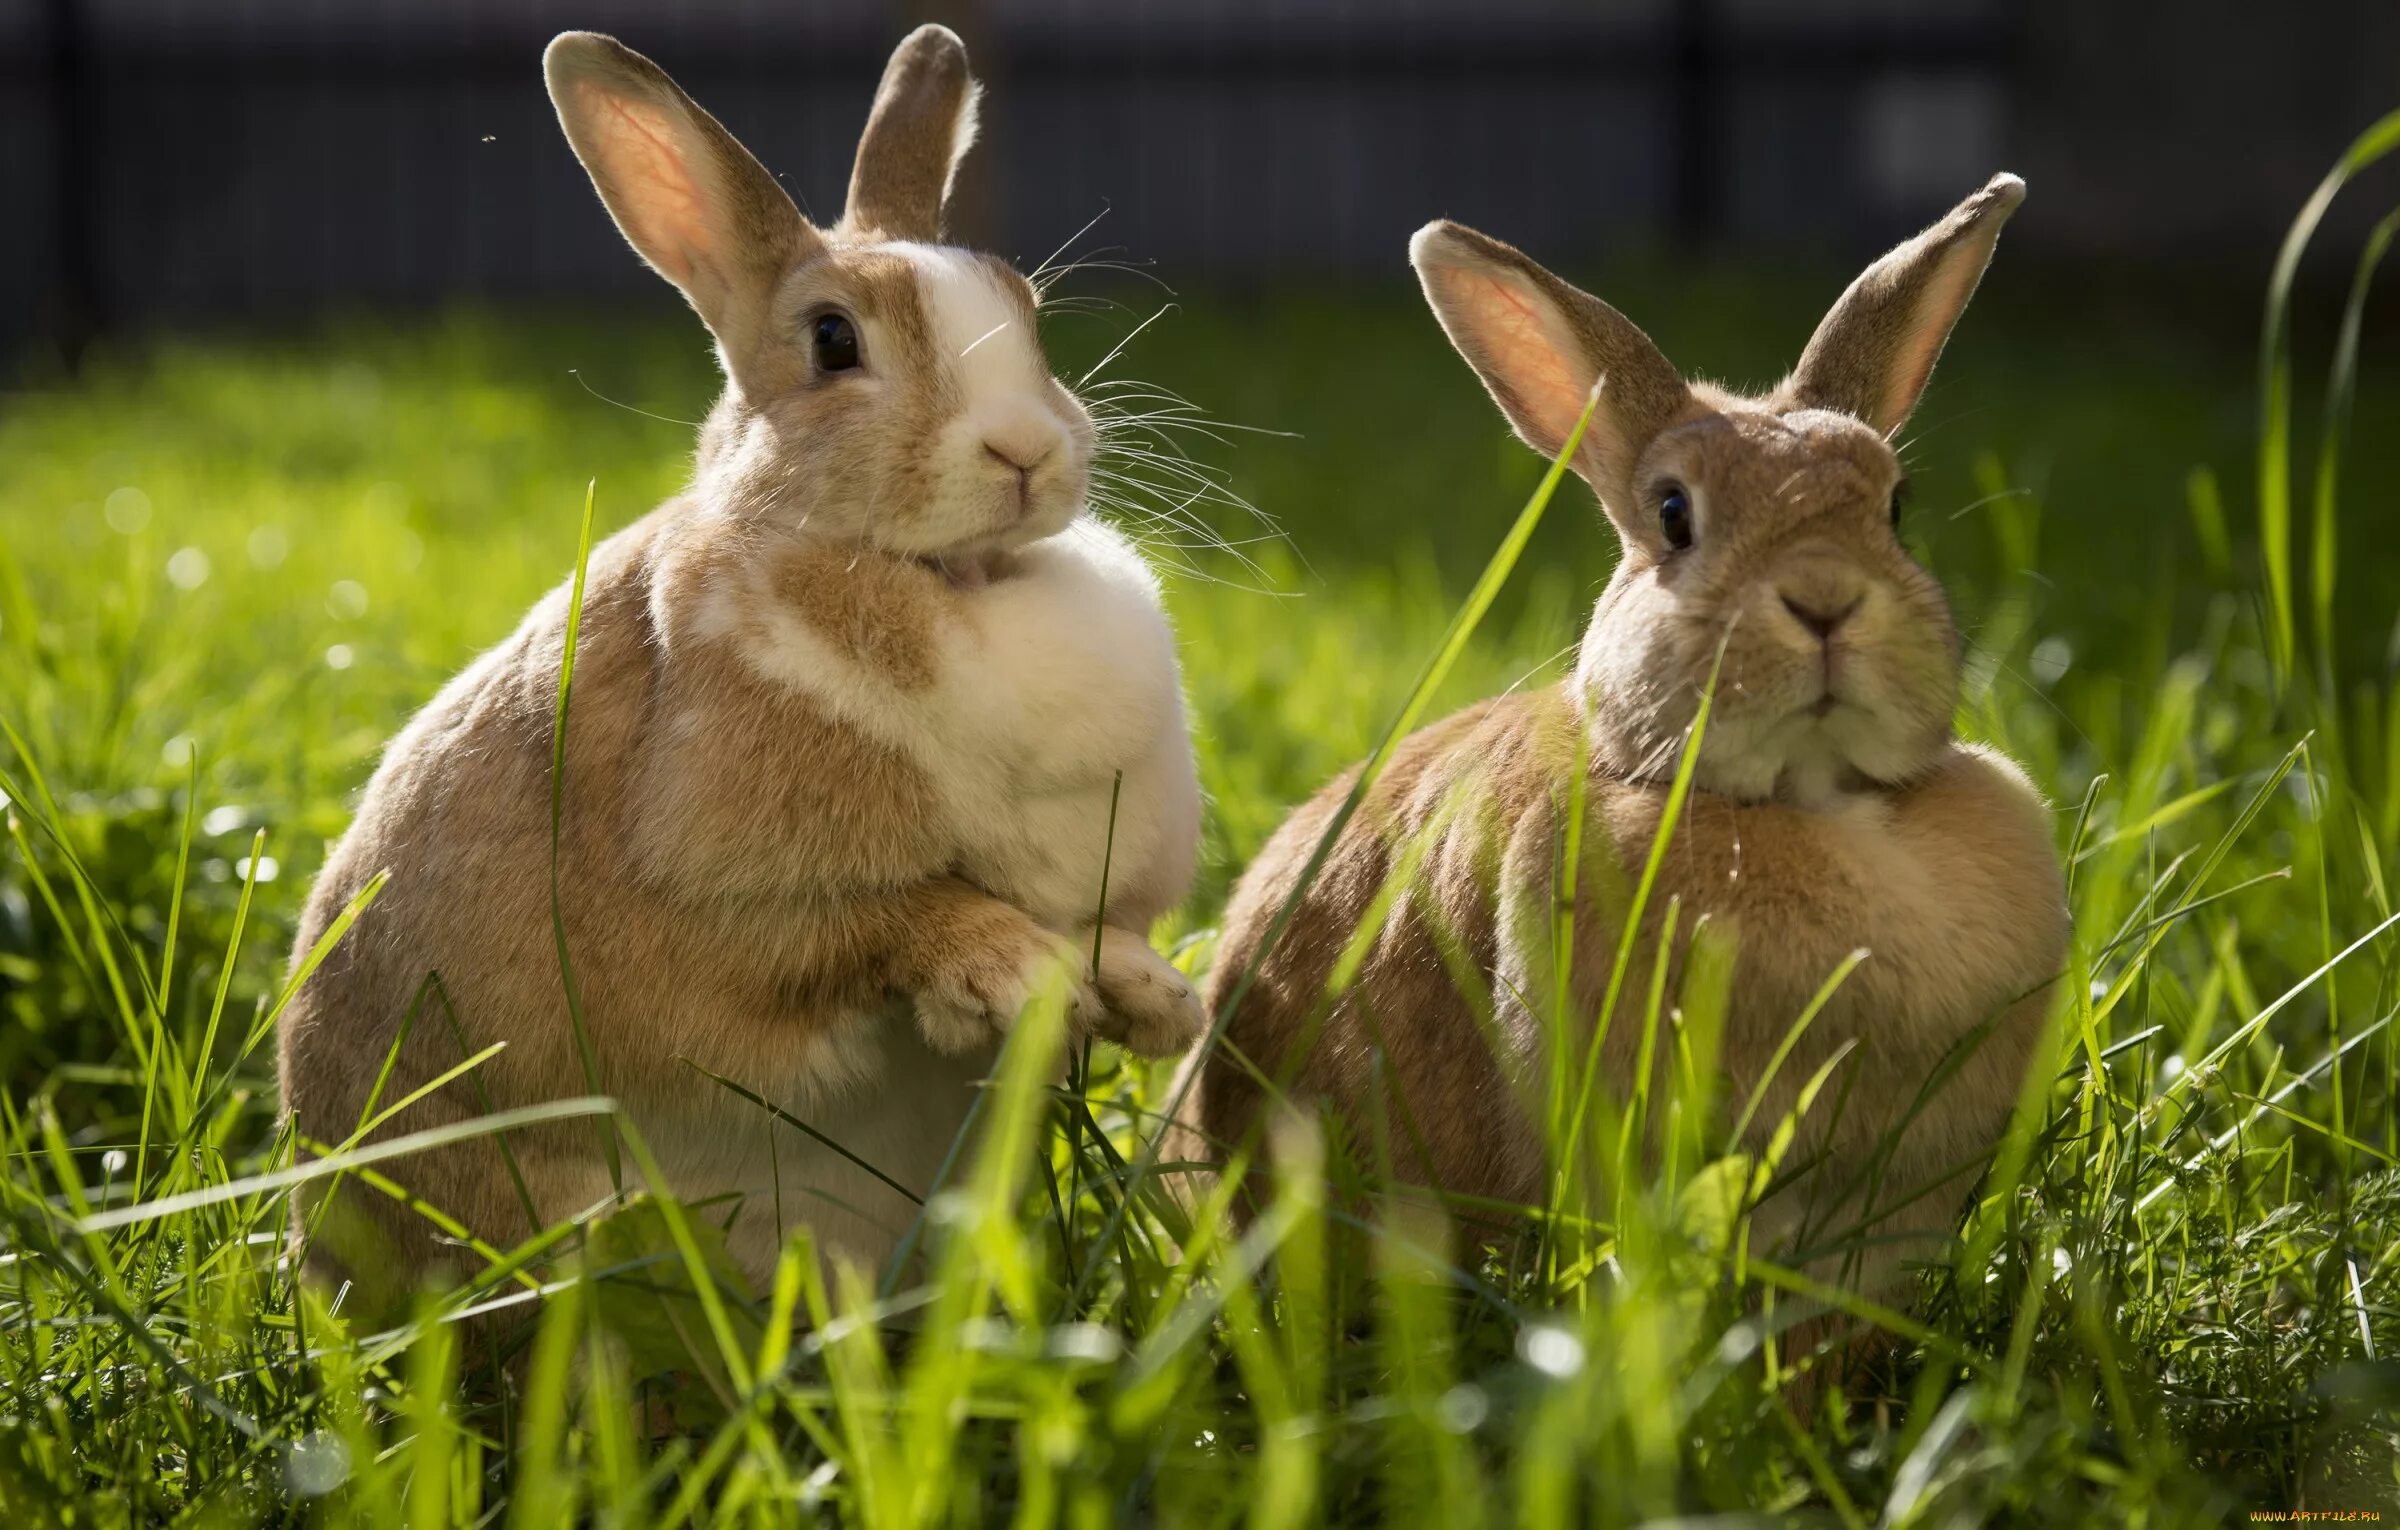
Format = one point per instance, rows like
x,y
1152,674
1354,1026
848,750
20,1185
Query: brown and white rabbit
x,y
1832,808
847,714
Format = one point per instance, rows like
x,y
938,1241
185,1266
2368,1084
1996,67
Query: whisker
x,y
986,335
1989,499
664,419
1044,269
1119,348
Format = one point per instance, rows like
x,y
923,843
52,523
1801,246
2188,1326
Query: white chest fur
x,y
1047,683
1064,676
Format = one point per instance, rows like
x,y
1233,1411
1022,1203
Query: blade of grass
x,y
1454,641
2275,384
585,1055
397,1147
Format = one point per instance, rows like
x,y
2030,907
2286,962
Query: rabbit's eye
x,y
1675,518
836,342
1899,499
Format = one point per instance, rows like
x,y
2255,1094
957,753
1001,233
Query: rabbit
x,y
1831,808
848,718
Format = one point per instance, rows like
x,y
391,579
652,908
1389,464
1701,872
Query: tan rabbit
x,y
1832,811
846,719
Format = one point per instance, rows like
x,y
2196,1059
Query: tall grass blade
x,y
588,1058
2275,383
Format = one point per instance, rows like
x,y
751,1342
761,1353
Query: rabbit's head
x,y
1768,525
882,388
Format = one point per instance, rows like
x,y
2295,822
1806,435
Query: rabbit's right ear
x,y
1540,343
689,198
920,127
1873,353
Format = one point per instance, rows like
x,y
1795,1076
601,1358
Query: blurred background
x,y
267,159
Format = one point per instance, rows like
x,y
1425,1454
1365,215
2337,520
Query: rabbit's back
x,y
1400,1054
704,959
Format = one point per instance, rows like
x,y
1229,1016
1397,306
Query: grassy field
x,y
232,568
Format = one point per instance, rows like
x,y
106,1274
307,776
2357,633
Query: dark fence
x,y
265,158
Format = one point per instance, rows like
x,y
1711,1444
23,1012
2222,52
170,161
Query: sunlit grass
x,y
231,570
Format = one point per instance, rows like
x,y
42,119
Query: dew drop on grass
x,y
1552,1351
127,510
1084,1341
339,656
188,569
347,599
2049,660
1463,1409
316,1464
818,1483
268,546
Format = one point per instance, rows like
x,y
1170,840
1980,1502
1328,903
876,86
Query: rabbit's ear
x,y
920,127
1872,355
1539,344
688,197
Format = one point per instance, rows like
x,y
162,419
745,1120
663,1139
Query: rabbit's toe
x,y
979,998
1149,1007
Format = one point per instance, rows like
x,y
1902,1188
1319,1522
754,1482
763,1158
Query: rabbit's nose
x,y
1820,613
1023,450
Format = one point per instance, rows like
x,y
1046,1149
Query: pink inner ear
x,y
1928,330
1527,349
657,193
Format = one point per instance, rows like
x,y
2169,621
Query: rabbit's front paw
x,y
975,997
1146,1005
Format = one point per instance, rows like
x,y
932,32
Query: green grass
x,y
231,568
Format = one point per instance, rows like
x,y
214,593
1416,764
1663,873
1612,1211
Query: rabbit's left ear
x,y
1873,353
1540,343
921,126
690,199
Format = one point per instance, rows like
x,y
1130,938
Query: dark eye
x,y
1899,499
1675,517
836,343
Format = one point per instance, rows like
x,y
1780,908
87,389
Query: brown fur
x,y
921,124
1805,840
1538,396
725,231
750,880
1873,353
881,616
737,871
